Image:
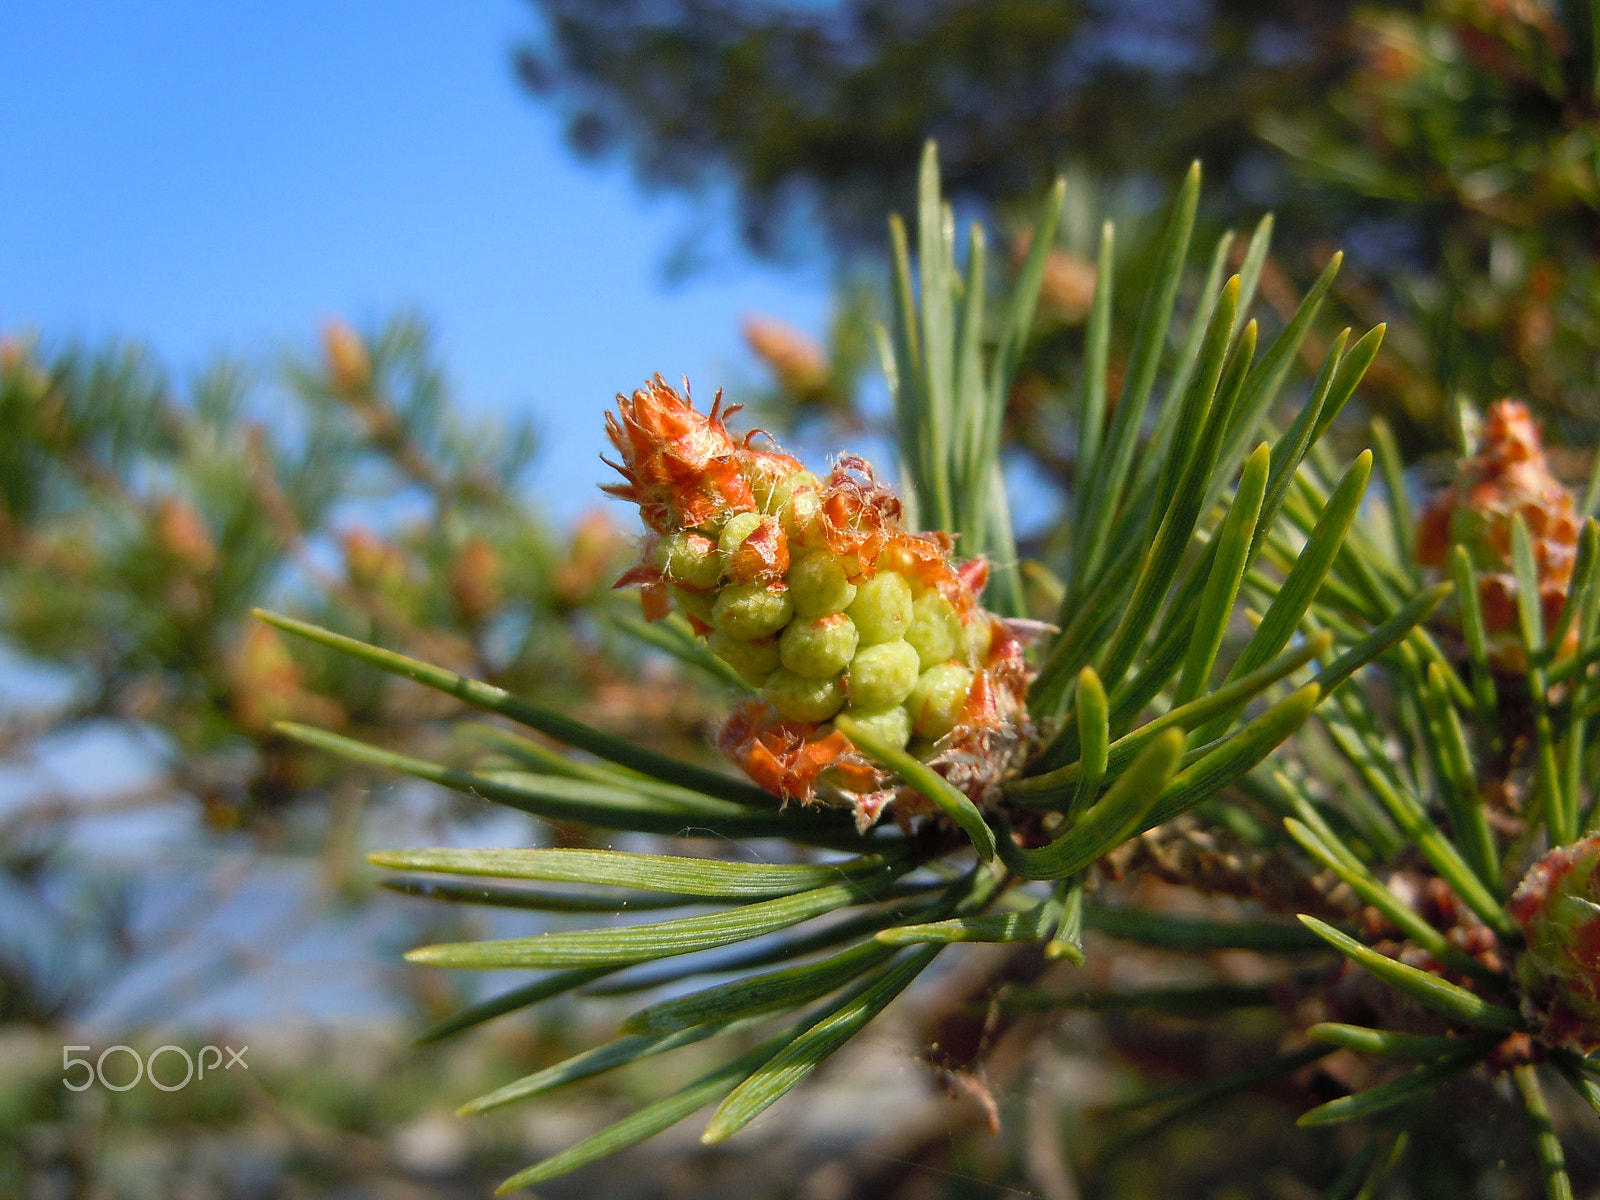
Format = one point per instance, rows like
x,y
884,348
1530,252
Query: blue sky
x,y
222,177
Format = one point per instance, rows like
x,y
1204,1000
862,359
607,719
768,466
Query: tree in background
x,y
1461,149
819,113
140,524
1449,147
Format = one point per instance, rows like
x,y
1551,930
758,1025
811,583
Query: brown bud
x,y
370,562
268,685
11,353
349,366
1067,287
800,364
183,537
596,543
266,679
475,580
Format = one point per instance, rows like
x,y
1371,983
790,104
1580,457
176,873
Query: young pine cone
x,y
818,596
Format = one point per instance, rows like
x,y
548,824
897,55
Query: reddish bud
x,y
681,467
1507,476
1557,907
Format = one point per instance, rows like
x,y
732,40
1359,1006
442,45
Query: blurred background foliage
x,y
1452,148
1449,148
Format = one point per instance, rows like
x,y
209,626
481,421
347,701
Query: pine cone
x,y
816,593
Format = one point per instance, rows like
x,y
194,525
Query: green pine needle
x,y
647,872
1428,990
1385,1096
